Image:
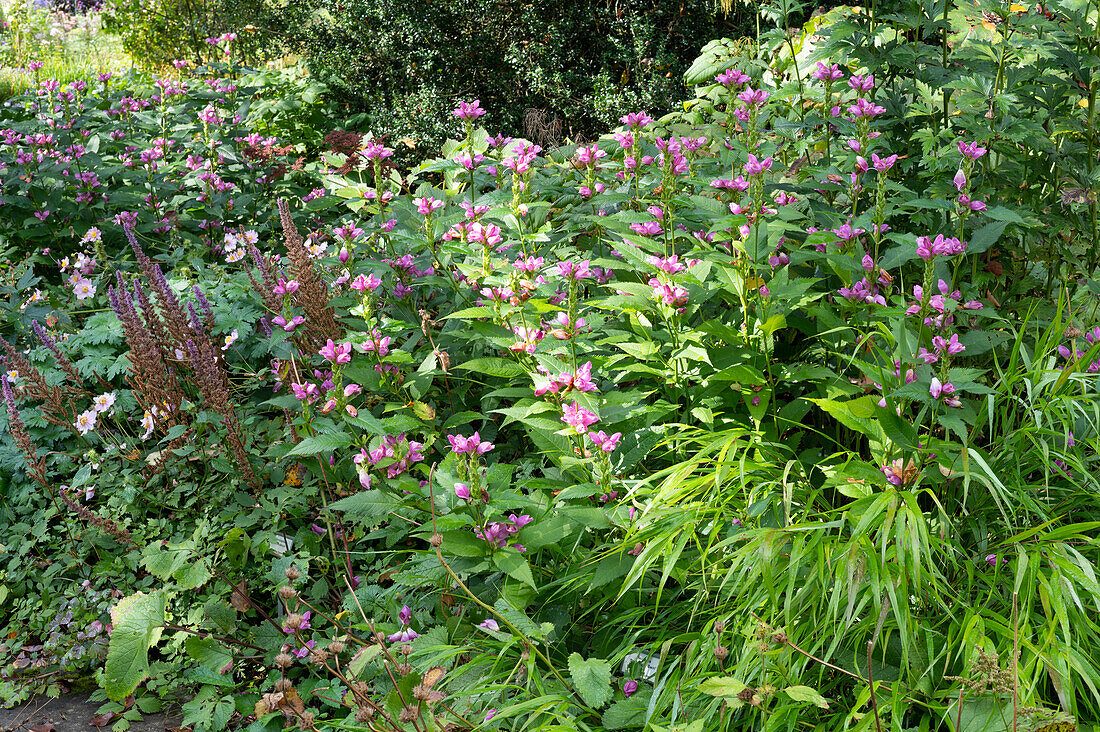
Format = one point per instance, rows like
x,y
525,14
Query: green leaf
x,y
369,504
320,444
592,679
806,694
855,414
493,366
512,563
724,686
138,620
627,713
208,652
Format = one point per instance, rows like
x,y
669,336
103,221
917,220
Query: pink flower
x,y
732,77
286,287
636,120
363,283
629,687
425,206
472,444
337,354
577,417
827,73
462,491
756,167
468,111
970,150
605,442
959,180
575,271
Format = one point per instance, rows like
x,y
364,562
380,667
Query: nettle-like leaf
x,y
138,620
591,678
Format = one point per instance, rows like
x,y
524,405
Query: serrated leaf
x,y
368,504
322,444
724,686
208,652
591,678
512,563
493,366
138,620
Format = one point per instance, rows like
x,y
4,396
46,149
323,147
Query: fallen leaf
x,y
239,599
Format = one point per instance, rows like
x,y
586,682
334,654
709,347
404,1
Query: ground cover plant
x,y
775,412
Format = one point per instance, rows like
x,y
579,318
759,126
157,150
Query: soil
x,y
74,713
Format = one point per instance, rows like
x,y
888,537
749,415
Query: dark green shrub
x,y
547,68
156,32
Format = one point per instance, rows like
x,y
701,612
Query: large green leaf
x,y
592,679
138,620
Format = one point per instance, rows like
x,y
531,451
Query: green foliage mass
x,y
777,411
548,69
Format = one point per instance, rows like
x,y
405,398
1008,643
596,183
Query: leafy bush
x,y
159,32
766,413
567,68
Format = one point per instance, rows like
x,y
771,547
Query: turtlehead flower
x,y
604,441
575,270
971,150
337,354
489,624
636,120
862,83
365,283
425,206
827,73
286,287
469,111
462,491
732,77
757,167
469,445
577,417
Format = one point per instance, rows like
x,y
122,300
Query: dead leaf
x,y
239,599
102,720
44,727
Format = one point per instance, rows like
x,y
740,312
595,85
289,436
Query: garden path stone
x,y
72,713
